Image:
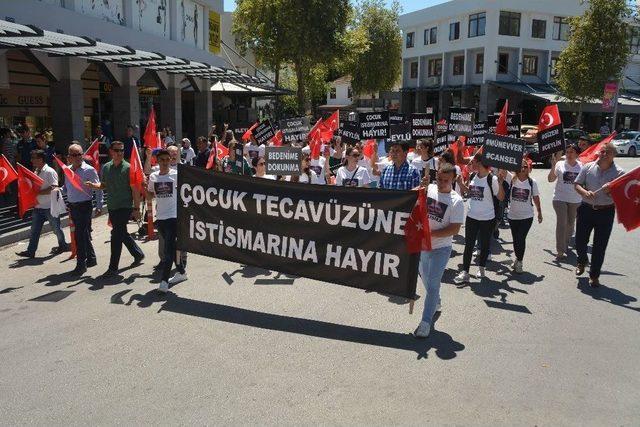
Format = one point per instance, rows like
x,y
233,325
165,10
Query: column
x,y
203,110
126,103
67,98
171,107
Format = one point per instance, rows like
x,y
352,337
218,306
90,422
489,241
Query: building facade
x,y
479,53
340,95
148,46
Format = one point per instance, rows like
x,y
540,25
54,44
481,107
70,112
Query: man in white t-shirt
x,y
446,215
163,185
42,210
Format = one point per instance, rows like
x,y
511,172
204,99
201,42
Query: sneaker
x,y
462,277
517,266
164,287
178,277
560,256
476,252
489,257
480,275
422,331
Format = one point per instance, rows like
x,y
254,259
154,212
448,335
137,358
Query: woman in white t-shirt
x,y
566,199
308,175
259,165
353,175
426,160
523,195
481,216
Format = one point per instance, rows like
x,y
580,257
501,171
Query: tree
x,y
375,65
315,88
597,51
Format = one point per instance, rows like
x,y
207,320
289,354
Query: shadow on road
x,y
607,294
22,262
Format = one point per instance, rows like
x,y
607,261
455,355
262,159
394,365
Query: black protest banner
x,y
422,125
264,132
295,129
374,125
503,152
283,160
514,123
443,140
460,121
395,118
349,132
479,130
349,236
400,132
551,140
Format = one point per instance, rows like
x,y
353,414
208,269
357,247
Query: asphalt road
x,y
229,347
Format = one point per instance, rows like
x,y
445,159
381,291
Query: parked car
x,y
627,143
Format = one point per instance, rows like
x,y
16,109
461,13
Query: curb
x,y
24,233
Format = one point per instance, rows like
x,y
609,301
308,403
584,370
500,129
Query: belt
x,y
600,207
80,203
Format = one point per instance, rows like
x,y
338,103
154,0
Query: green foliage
x,y
376,46
316,88
597,50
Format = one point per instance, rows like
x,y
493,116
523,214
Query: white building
x,y
340,95
477,53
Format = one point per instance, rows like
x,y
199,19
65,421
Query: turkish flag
x,y
501,125
549,118
92,155
151,137
136,173
28,188
71,176
625,192
592,153
315,131
333,121
249,132
368,149
417,234
218,150
277,139
7,173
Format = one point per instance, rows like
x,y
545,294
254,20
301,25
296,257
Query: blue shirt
x,y
86,173
404,178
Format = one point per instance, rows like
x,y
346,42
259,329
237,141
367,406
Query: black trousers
x,y
168,230
480,231
119,235
600,222
519,230
81,216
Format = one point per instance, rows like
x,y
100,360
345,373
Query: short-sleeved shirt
x,y
231,166
117,183
480,200
50,178
521,198
356,178
304,178
86,173
592,178
253,150
165,189
444,209
405,177
565,190
319,166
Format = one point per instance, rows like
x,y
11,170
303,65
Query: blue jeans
x,y
38,216
432,266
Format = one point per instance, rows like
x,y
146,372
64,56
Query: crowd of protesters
x,y
461,189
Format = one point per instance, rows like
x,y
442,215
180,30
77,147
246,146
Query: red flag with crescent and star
x,y
136,173
549,118
625,192
592,153
92,155
7,173
247,135
417,234
70,175
28,188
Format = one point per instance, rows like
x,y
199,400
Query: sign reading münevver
x,y
264,132
503,152
374,125
349,236
283,160
422,125
295,129
461,121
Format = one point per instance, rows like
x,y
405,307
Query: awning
x,y
244,89
550,94
20,36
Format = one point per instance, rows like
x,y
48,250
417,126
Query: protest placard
x,y
283,160
295,129
479,130
460,121
514,123
374,125
551,140
503,152
263,132
422,125
349,132
400,132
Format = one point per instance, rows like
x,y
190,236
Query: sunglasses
x,y
75,155
261,164
118,150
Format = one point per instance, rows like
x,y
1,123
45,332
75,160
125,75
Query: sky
x,y
407,5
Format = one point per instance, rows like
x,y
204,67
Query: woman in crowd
x,y
336,158
308,175
426,161
352,174
187,154
260,166
523,195
566,199
230,163
458,185
484,187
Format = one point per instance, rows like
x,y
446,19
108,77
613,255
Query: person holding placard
x,y
566,199
523,195
308,175
353,175
485,192
230,162
260,165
